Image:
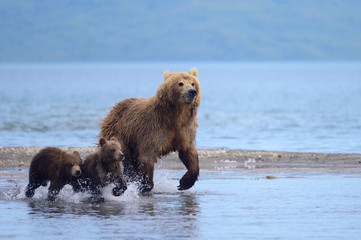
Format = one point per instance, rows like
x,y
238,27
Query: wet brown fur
x,y
149,128
54,165
104,167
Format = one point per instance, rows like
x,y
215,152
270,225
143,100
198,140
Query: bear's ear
x,y
193,72
76,153
114,139
166,74
102,141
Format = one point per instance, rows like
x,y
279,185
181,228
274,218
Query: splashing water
x,y
250,163
165,184
226,202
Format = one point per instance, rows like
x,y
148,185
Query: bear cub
x,y
54,165
102,168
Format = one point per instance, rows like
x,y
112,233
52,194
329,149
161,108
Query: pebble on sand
x,y
271,177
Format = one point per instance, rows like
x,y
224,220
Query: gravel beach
x,y
20,157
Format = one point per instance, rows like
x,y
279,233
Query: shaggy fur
x,y
150,128
54,165
102,168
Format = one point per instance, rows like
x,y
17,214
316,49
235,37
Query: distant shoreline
x,y
14,157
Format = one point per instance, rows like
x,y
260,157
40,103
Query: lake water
x,y
224,204
262,106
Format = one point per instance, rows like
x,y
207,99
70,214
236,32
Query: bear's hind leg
x,y
146,171
97,196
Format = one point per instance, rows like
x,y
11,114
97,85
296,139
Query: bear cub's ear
x,y
166,74
76,153
102,141
193,72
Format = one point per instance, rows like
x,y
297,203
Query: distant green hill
x,y
119,30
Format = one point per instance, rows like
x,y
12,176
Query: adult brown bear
x,y
149,128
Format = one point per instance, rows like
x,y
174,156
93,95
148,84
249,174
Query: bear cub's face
x,y
72,164
111,149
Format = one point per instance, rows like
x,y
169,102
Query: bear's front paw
x,y
117,191
29,193
187,181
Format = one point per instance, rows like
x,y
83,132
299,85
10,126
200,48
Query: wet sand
x,y
210,159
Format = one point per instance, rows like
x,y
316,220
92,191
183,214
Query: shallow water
x,y
308,107
224,204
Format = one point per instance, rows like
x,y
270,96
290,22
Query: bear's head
x,y
181,88
71,164
110,149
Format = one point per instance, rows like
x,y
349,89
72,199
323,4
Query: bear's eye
x,y
112,150
192,84
71,164
181,84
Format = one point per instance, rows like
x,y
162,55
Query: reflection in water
x,y
46,209
223,204
171,215
157,214
152,205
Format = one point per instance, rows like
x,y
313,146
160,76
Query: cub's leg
x,y
30,188
54,189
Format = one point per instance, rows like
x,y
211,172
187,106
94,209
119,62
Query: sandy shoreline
x,y
15,157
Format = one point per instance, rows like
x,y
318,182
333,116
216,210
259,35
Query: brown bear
x,y
149,128
102,168
54,165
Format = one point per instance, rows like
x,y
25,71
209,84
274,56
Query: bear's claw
x,y
187,181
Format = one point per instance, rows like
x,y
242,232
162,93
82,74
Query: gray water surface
x,y
307,107
224,204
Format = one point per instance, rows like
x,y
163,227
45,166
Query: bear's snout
x,y
192,92
75,171
189,95
119,157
